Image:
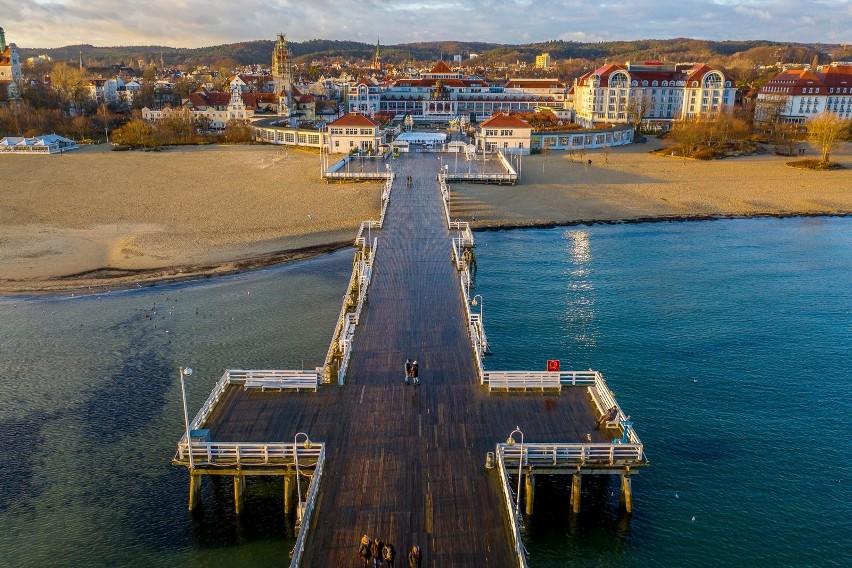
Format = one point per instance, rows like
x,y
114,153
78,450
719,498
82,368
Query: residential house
x,y
353,131
506,133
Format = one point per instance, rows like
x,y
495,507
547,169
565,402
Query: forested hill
x,y
681,49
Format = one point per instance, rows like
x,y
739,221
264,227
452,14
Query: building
x,y
660,92
542,61
795,95
506,133
441,95
217,108
10,68
353,131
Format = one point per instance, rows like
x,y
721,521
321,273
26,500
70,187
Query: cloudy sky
x,y
195,23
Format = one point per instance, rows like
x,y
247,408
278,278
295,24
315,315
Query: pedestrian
x,y
407,370
415,373
389,553
376,551
414,557
590,162
364,550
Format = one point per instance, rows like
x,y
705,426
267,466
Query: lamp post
x,y
186,371
474,303
307,445
510,441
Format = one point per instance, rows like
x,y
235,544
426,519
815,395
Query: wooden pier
x,y
403,463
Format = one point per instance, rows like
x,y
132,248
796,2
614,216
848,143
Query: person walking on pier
x,y
389,553
415,373
376,551
364,550
407,370
414,557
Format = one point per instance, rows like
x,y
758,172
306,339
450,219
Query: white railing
x,y
276,379
539,379
572,455
208,405
226,454
310,504
344,332
520,551
506,164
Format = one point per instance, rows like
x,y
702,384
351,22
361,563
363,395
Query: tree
x,y
135,134
637,109
70,83
825,131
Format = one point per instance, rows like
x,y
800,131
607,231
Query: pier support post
x,y
575,493
289,485
626,492
239,493
194,490
529,498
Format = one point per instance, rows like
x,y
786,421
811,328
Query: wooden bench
x,y
602,407
523,380
295,382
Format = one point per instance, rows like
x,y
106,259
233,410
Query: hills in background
x,y
757,52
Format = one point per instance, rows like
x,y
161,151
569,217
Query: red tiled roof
x,y
535,84
505,121
441,67
353,119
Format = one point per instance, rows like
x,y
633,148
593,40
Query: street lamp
x,y
307,446
185,372
510,441
474,303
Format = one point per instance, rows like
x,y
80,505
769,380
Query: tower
x,y
377,63
2,40
282,73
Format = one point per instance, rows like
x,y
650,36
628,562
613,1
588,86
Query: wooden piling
x,y
194,490
626,492
289,485
575,493
239,493
529,498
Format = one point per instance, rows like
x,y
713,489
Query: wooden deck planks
x,y
406,463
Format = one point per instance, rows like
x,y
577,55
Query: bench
x,y
602,408
279,384
523,380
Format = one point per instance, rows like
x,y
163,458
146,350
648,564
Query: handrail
x,y
310,503
520,552
570,455
222,454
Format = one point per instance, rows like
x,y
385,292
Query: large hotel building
x,y
666,91
442,95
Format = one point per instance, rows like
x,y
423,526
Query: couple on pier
x,y
412,372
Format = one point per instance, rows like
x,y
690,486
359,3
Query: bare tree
x,y
637,109
825,131
605,152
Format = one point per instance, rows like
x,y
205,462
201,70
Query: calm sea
x,y
729,342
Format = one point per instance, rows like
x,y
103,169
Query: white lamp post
x,y
307,445
186,371
510,441
475,303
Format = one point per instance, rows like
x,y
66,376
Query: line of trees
x,y
179,128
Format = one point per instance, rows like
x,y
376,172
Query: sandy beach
x,y
638,186
95,218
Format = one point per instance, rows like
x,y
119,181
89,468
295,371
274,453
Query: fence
x,y
520,551
244,454
310,504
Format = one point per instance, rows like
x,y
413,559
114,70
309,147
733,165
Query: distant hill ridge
x,y
260,51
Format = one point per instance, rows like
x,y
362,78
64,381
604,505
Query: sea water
x,y
729,342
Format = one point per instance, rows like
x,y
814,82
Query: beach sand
x,y
94,218
636,185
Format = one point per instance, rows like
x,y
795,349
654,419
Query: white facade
x,y
796,95
667,92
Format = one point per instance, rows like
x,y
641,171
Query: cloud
x,y
753,13
194,23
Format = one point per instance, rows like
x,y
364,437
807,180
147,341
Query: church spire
x,y
377,62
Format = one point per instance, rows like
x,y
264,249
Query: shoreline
x,y
107,279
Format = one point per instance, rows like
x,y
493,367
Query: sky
x,y
199,23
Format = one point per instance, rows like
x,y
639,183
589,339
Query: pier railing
x,y
310,505
520,551
570,456
245,454
340,348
